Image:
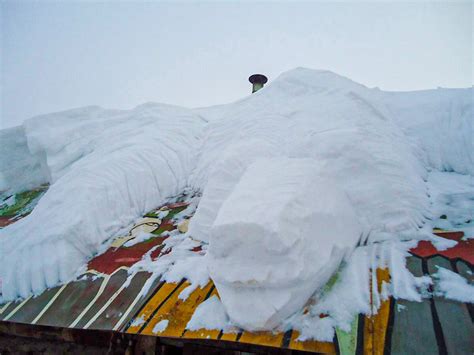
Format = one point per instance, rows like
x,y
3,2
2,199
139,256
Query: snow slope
x,y
268,165
106,168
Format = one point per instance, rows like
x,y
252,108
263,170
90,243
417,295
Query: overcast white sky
x,y
61,55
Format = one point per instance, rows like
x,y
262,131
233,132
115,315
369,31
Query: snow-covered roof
x,y
312,174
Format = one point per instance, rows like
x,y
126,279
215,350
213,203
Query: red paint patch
x,y
5,221
463,250
113,258
177,205
197,249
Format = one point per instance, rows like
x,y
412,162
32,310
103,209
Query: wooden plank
x,y
164,306
113,285
71,302
413,331
160,296
262,338
375,326
454,317
311,345
6,308
115,310
465,271
178,312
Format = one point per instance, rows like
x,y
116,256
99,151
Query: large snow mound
x,y
311,142
106,168
319,115
277,238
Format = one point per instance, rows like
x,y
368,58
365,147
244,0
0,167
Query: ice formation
x,y
289,176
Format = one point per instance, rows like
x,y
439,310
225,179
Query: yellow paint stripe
x,y
262,338
51,301
375,327
164,291
203,333
17,308
311,345
178,312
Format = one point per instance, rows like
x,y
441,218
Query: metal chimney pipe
x,y
257,80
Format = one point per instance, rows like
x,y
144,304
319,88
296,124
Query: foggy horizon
x,y
60,56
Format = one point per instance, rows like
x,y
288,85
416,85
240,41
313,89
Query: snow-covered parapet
x,y
277,238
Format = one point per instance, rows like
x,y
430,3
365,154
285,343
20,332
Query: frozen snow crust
x,y
292,178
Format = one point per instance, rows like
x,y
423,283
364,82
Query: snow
x,y
350,295
277,238
160,326
19,169
181,263
292,177
440,123
453,201
210,314
453,286
140,237
106,168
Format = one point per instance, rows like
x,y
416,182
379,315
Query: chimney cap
x,y
258,79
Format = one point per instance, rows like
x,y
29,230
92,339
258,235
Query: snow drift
x,y
290,176
106,168
277,238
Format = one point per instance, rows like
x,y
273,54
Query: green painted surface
x,y
24,202
347,341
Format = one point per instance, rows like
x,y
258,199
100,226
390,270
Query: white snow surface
x,y
453,286
106,168
210,314
309,163
160,326
273,244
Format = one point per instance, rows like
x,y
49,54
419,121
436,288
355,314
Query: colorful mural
x,y
103,299
17,206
